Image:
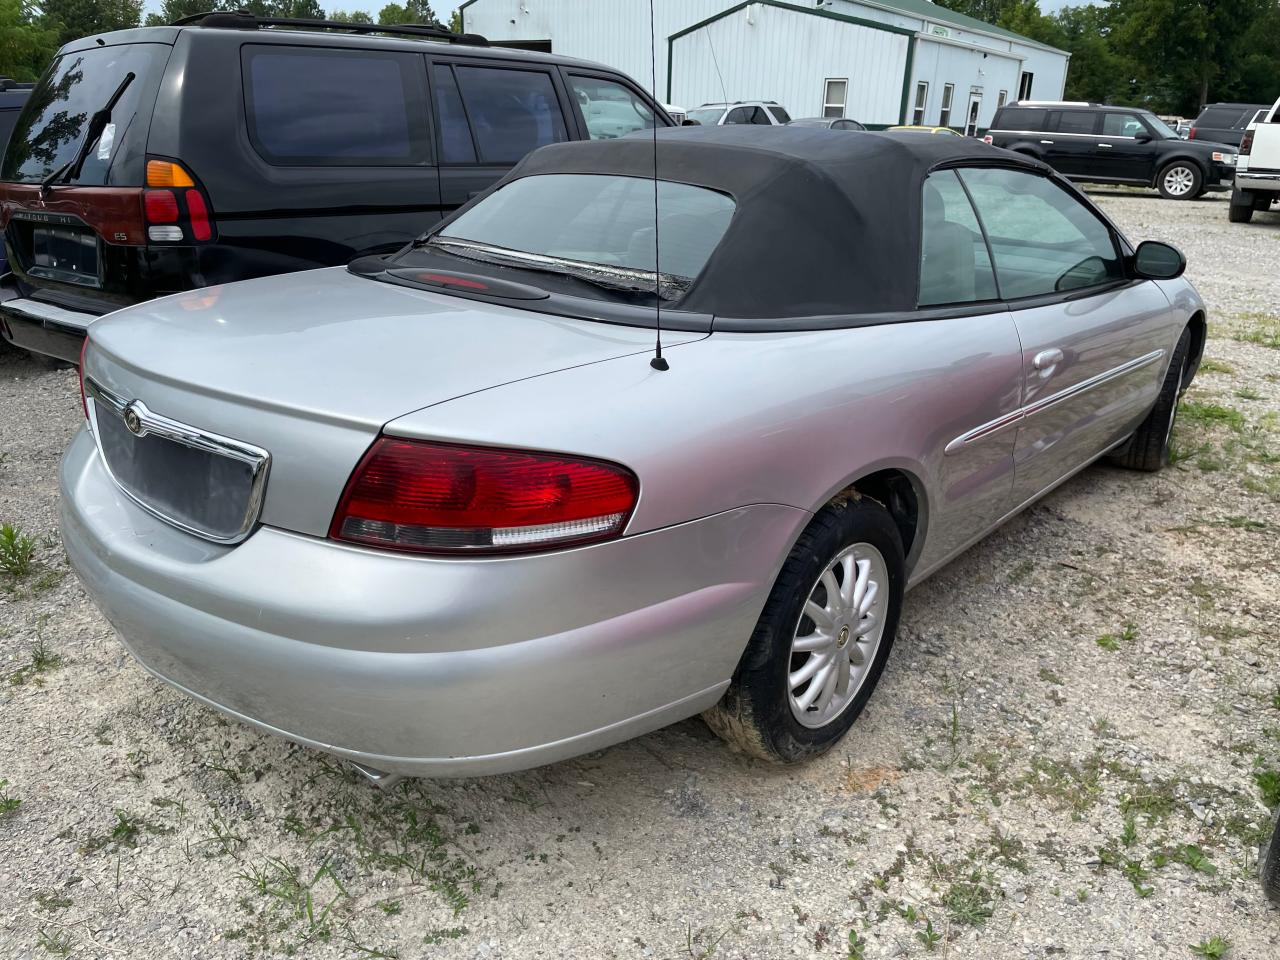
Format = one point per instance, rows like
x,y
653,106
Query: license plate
x,y
66,254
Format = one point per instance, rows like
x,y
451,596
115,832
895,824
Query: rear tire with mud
x,y
823,638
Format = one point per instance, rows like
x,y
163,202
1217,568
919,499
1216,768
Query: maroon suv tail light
x,y
440,498
176,209
1246,143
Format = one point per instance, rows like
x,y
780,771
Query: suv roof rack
x,y
244,20
1056,103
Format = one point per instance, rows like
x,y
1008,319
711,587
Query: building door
x,y
971,118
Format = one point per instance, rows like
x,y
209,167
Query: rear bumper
x,y
42,327
1261,180
425,666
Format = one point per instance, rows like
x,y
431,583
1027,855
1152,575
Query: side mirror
x,y
1154,260
1143,137
691,123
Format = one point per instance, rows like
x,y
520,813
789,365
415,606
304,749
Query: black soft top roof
x,y
826,224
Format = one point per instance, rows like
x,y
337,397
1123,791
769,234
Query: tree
x,y
412,11
455,22
173,10
74,19
26,43
355,16
1098,73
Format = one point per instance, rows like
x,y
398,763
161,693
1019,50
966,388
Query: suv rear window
x,y
600,219
1020,118
77,85
1222,118
320,106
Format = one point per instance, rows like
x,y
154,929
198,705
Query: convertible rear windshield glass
x,y
600,220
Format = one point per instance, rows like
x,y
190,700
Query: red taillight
x,y
84,401
176,209
429,497
199,213
162,206
1246,143
1191,134
988,139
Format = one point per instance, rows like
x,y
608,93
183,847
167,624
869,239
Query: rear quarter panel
x,y
790,418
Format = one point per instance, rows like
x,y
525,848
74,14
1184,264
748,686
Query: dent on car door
x,y
1094,344
977,381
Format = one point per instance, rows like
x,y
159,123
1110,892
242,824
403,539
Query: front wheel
x,y
1148,448
1180,180
823,639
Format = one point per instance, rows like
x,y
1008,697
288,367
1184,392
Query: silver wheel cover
x,y
838,635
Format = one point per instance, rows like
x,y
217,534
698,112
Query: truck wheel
x,y
823,637
1180,180
1241,208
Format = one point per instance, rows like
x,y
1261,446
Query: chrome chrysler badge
x,y
132,420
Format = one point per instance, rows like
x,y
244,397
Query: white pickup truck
x,y
1257,183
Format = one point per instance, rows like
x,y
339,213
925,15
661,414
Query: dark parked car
x,y
162,159
1224,122
831,123
1099,144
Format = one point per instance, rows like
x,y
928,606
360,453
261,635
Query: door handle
x,y
1047,142
1107,145
1046,359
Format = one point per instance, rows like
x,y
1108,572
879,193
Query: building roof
x,y
933,11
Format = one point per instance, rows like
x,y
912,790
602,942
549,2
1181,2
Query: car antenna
x,y
658,361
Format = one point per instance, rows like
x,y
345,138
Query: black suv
x,y
160,159
1225,122
1100,144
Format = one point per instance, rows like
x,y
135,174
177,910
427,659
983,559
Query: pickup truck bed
x,y
1257,183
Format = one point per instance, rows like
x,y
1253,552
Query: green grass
x,y
41,661
1268,782
1210,414
8,804
16,551
1214,948
1262,329
1210,365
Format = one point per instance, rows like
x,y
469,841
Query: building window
x,y
922,94
1024,85
944,117
1002,99
834,97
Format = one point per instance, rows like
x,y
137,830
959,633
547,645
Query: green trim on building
x,y
810,11
906,79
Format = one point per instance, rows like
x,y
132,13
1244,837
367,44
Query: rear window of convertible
x,y
601,219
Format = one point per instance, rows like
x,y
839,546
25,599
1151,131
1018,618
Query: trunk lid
x,y
310,366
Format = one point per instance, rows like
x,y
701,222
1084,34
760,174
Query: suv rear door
x,y
490,114
1073,144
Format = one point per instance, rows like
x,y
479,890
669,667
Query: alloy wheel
x,y
1178,181
838,635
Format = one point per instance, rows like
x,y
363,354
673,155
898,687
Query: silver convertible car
x,y
446,512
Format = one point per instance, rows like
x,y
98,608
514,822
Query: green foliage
x,y
1214,948
412,11
74,19
16,551
8,804
27,44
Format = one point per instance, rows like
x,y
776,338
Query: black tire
x,y
1241,207
1148,448
1269,857
755,714
1179,171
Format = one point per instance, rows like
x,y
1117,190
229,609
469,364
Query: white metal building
x,y
878,61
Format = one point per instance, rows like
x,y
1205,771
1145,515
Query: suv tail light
x,y
427,497
177,210
1246,143
1191,134
988,139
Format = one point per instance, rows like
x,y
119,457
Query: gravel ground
x,y
1067,756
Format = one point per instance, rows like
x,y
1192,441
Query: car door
x,y
974,408
1124,148
1094,342
1070,141
489,116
